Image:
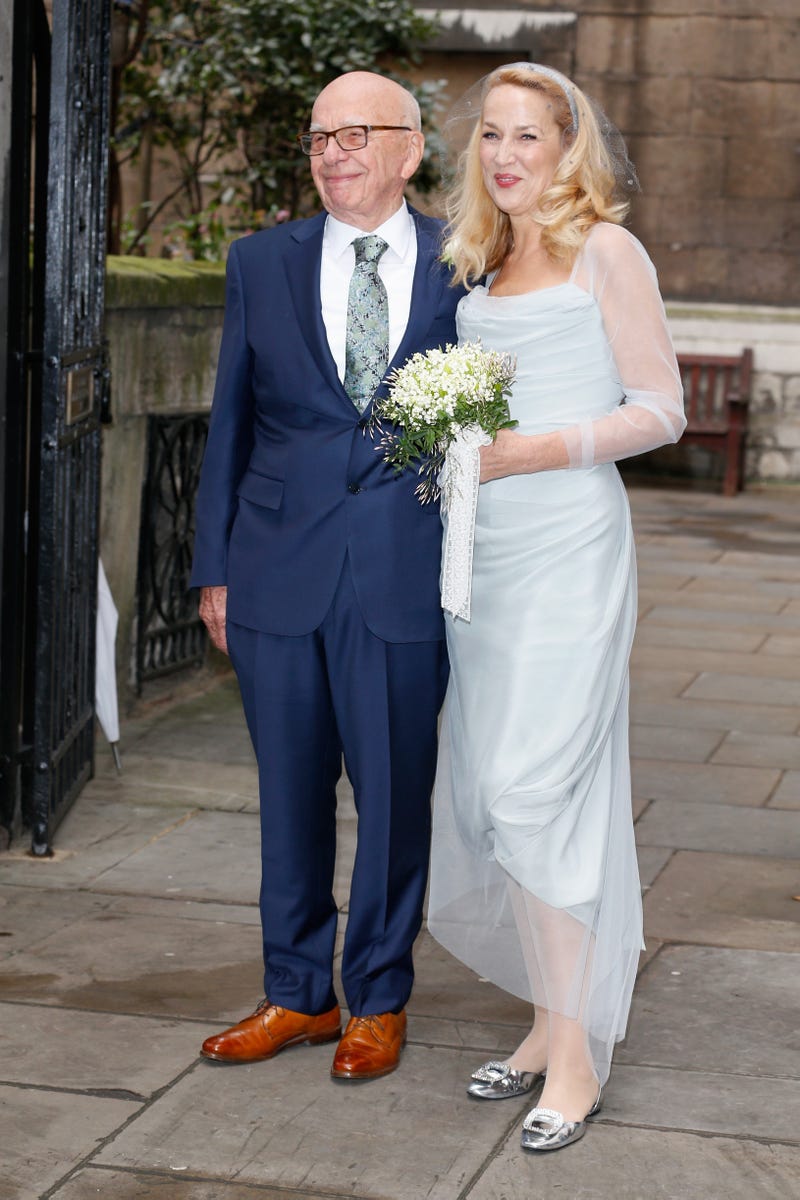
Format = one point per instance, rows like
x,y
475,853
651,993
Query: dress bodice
x,y
565,370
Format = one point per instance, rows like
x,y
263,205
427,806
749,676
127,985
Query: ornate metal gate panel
x,y
169,633
64,525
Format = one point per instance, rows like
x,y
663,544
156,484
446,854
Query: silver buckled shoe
x,y
546,1129
499,1081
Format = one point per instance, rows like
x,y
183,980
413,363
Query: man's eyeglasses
x,y
349,137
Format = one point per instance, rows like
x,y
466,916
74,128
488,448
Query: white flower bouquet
x,y
433,399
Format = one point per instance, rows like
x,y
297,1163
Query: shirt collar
x,y
396,232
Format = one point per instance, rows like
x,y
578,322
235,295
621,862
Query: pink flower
x,y
282,215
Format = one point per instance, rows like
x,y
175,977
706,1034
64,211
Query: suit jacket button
x,y
353,488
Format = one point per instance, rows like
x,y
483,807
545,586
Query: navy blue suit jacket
x,y
291,483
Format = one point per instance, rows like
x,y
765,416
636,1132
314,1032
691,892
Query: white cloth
x,y
459,483
105,688
396,269
534,879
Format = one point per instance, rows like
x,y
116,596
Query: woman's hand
x,y
513,453
503,456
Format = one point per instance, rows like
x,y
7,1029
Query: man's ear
x,y
416,146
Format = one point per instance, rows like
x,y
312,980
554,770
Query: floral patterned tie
x,y
367,346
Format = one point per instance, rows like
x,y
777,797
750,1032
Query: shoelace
x,y
369,1022
265,1005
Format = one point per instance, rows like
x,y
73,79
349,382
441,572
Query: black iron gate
x,y
56,386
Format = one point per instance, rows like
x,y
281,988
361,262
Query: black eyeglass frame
x,y
304,138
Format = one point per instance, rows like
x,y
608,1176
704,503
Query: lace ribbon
x,y
459,480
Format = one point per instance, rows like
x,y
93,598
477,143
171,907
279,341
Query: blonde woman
x,y
534,875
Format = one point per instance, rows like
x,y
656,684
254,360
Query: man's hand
x,y
213,607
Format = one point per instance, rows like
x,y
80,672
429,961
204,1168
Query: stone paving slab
x,y
130,790
653,577
47,1133
781,644
738,1105
94,836
708,783
407,1136
724,828
764,561
646,599
714,685
444,987
184,1185
210,856
736,600
217,708
121,962
674,743
652,685
780,580
686,615
787,794
724,578
688,550
638,806
65,1048
726,900
764,666
638,1164
762,750
743,641
716,714
652,860
185,910
140,768
484,1039
29,914
179,740
696,1007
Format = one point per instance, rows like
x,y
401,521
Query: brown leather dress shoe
x,y
370,1047
269,1030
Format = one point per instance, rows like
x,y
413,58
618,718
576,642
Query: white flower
x,y
436,394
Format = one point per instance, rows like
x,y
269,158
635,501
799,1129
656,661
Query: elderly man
x,y
319,574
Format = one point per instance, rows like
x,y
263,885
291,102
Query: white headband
x,y
557,78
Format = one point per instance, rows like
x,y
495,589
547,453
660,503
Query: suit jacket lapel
x,y
302,263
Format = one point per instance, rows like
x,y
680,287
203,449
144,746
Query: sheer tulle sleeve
x,y
616,270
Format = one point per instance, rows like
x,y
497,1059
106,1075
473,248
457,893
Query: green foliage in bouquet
x,y
432,398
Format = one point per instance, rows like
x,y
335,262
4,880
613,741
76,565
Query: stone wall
x,y
708,97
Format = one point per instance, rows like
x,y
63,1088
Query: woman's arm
x,y
615,269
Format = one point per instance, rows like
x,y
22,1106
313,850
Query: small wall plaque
x,y
80,394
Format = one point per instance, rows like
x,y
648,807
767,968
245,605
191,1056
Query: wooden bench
x,y
716,395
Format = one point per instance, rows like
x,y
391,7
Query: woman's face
x,y
520,147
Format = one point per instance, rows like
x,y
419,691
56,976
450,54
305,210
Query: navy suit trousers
x,y
309,700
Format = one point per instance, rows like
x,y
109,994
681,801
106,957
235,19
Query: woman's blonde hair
x,y
581,193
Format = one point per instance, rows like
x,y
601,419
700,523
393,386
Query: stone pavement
x,y
141,936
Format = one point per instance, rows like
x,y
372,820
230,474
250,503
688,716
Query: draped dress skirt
x,y
534,878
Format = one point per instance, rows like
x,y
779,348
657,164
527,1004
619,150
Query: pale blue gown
x,y
534,880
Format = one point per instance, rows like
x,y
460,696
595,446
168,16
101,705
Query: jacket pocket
x,y
261,490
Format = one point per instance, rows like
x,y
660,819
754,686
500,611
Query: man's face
x,y
364,187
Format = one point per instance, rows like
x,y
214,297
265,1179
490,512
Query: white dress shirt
x,y
395,267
